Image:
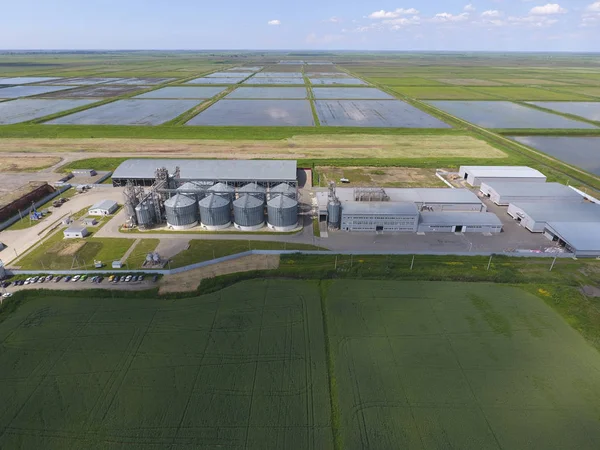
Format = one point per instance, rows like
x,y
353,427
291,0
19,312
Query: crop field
x,y
181,92
499,114
95,91
273,80
256,113
241,368
22,110
349,93
442,93
468,82
228,80
28,91
449,365
374,113
403,81
145,81
336,81
272,93
278,75
582,152
129,112
587,110
84,81
528,93
237,74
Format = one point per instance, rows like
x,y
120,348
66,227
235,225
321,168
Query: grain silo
x,y
222,190
282,189
145,214
282,213
215,212
249,213
253,189
193,189
334,213
182,212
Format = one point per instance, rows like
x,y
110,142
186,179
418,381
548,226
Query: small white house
x,y
103,208
76,231
117,265
90,221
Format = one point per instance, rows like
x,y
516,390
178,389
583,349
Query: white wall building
x,y
103,208
580,238
76,232
380,216
475,175
504,193
459,222
535,216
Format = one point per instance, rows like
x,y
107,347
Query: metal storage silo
x,y
249,213
144,214
283,213
222,190
282,189
182,212
193,189
253,189
215,212
334,212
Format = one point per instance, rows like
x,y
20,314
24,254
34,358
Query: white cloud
x,y
491,13
548,9
334,20
531,21
274,22
401,22
447,17
594,7
382,14
469,8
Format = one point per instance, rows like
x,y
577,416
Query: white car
x,y
76,277
6,295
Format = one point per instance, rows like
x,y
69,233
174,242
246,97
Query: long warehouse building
x,y
580,238
475,175
266,173
534,216
504,193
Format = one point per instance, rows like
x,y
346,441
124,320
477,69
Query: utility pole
x,y
490,262
412,264
351,260
335,266
553,262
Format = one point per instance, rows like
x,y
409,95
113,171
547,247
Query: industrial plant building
x,y
103,208
266,173
76,232
504,193
459,222
380,216
580,238
534,216
475,175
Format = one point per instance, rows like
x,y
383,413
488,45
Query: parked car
x,y
140,277
128,278
76,278
93,279
99,279
67,278
58,278
6,295
35,279
155,278
41,280
116,279
83,278
49,277
5,284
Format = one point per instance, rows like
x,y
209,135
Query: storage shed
x,y
459,222
475,175
535,216
75,232
380,216
504,193
89,221
103,208
580,238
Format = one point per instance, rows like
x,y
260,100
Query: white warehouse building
x,y
504,193
475,175
380,216
580,238
459,222
534,216
103,208
76,232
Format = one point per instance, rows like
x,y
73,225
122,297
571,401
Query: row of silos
x,y
200,190
214,212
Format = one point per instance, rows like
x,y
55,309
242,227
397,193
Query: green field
x,y
297,365
443,93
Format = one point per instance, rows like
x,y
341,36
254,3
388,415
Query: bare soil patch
x,y
191,280
28,163
313,147
69,249
380,176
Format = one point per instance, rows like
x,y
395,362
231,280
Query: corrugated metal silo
x,y
334,211
145,215
215,212
182,212
282,189
282,213
249,213
193,189
253,189
223,190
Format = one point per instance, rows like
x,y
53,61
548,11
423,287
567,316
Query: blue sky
x,y
500,25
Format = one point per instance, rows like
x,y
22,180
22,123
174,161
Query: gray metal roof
x,y
248,201
190,186
283,188
581,236
210,169
281,201
221,187
560,211
213,201
252,187
105,204
502,171
385,208
76,229
179,200
528,189
460,218
417,195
